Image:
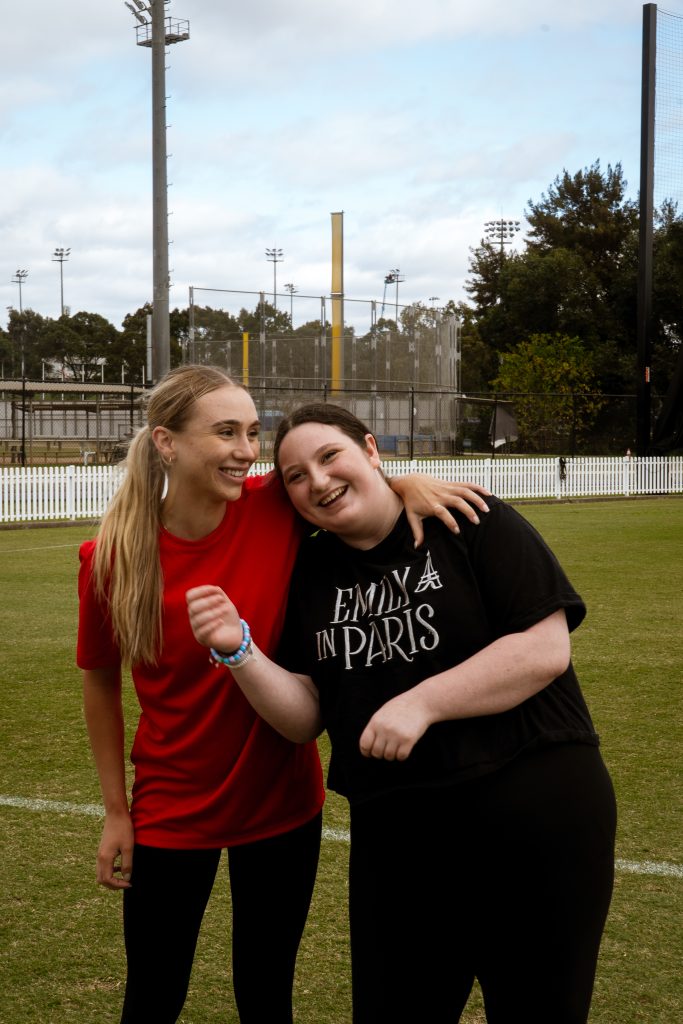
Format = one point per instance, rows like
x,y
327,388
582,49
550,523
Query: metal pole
x,y
23,417
161,331
275,257
19,278
152,33
644,314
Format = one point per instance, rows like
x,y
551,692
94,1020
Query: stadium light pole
x,y
501,231
59,256
291,288
394,277
274,256
19,278
156,31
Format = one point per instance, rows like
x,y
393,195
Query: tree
x,y
58,341
265,317
588,214
478,361
26,343
6,353
130,351
577,276
90,341
539,372
667,295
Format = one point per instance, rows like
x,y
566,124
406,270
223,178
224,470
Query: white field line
x,y
646,867
42,547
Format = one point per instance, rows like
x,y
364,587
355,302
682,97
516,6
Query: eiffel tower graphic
x,y
429,580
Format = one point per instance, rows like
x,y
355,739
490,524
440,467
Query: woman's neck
x,y
376,528
190,519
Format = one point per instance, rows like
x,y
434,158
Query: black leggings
x,y
507,879
271,883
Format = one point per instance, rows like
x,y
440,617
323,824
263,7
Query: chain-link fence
x,y
45,423
297,342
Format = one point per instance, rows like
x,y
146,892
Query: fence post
x,y
70,488
626,475
23,419
560,475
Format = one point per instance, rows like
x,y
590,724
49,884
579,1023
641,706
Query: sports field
x,y
61,953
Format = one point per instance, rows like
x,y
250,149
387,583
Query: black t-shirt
x,y
368,625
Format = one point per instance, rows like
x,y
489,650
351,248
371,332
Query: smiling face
x,y
335,483
211,455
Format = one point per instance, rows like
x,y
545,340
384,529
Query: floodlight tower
x,y
59,256
501,231
156,31
19,278
291,288
274,256
393,277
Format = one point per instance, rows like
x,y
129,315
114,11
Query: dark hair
x,y
320,412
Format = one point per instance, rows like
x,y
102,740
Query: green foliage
x,y
554,365
586,213
130,352
26,342
265,317
6,353
94,340
578,277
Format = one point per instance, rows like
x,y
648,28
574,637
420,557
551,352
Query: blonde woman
x,y
210,773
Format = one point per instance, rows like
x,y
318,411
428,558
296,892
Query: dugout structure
x,y
53,422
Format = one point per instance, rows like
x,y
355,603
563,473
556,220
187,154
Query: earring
x,y
169,461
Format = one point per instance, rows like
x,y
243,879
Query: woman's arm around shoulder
x,y
424,495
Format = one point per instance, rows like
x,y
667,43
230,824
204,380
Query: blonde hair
x,y
127,568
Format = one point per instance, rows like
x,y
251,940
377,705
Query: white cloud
x,y
419,123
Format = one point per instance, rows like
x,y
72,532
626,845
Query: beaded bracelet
x,y
237,658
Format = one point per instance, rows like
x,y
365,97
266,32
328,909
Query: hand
x,y
423,495
116,845
395,728
214,619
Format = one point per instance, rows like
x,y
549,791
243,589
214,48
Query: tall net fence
x,y
263,339
668,166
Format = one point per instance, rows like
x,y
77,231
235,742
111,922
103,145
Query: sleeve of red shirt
x,y
96,647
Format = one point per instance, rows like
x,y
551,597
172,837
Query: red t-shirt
x,y
209,772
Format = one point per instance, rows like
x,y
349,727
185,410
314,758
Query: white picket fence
x,y
40,493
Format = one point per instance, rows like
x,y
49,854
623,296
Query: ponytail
x,y
127,568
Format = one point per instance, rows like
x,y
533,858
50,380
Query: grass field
x,y
61,953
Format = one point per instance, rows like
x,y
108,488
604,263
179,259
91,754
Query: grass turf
x,y
61,951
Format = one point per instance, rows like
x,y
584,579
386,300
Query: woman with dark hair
x,y
209,771
482,814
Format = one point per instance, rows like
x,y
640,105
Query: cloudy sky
x,y
420,121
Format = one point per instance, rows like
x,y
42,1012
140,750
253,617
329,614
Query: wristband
x,y
236,658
